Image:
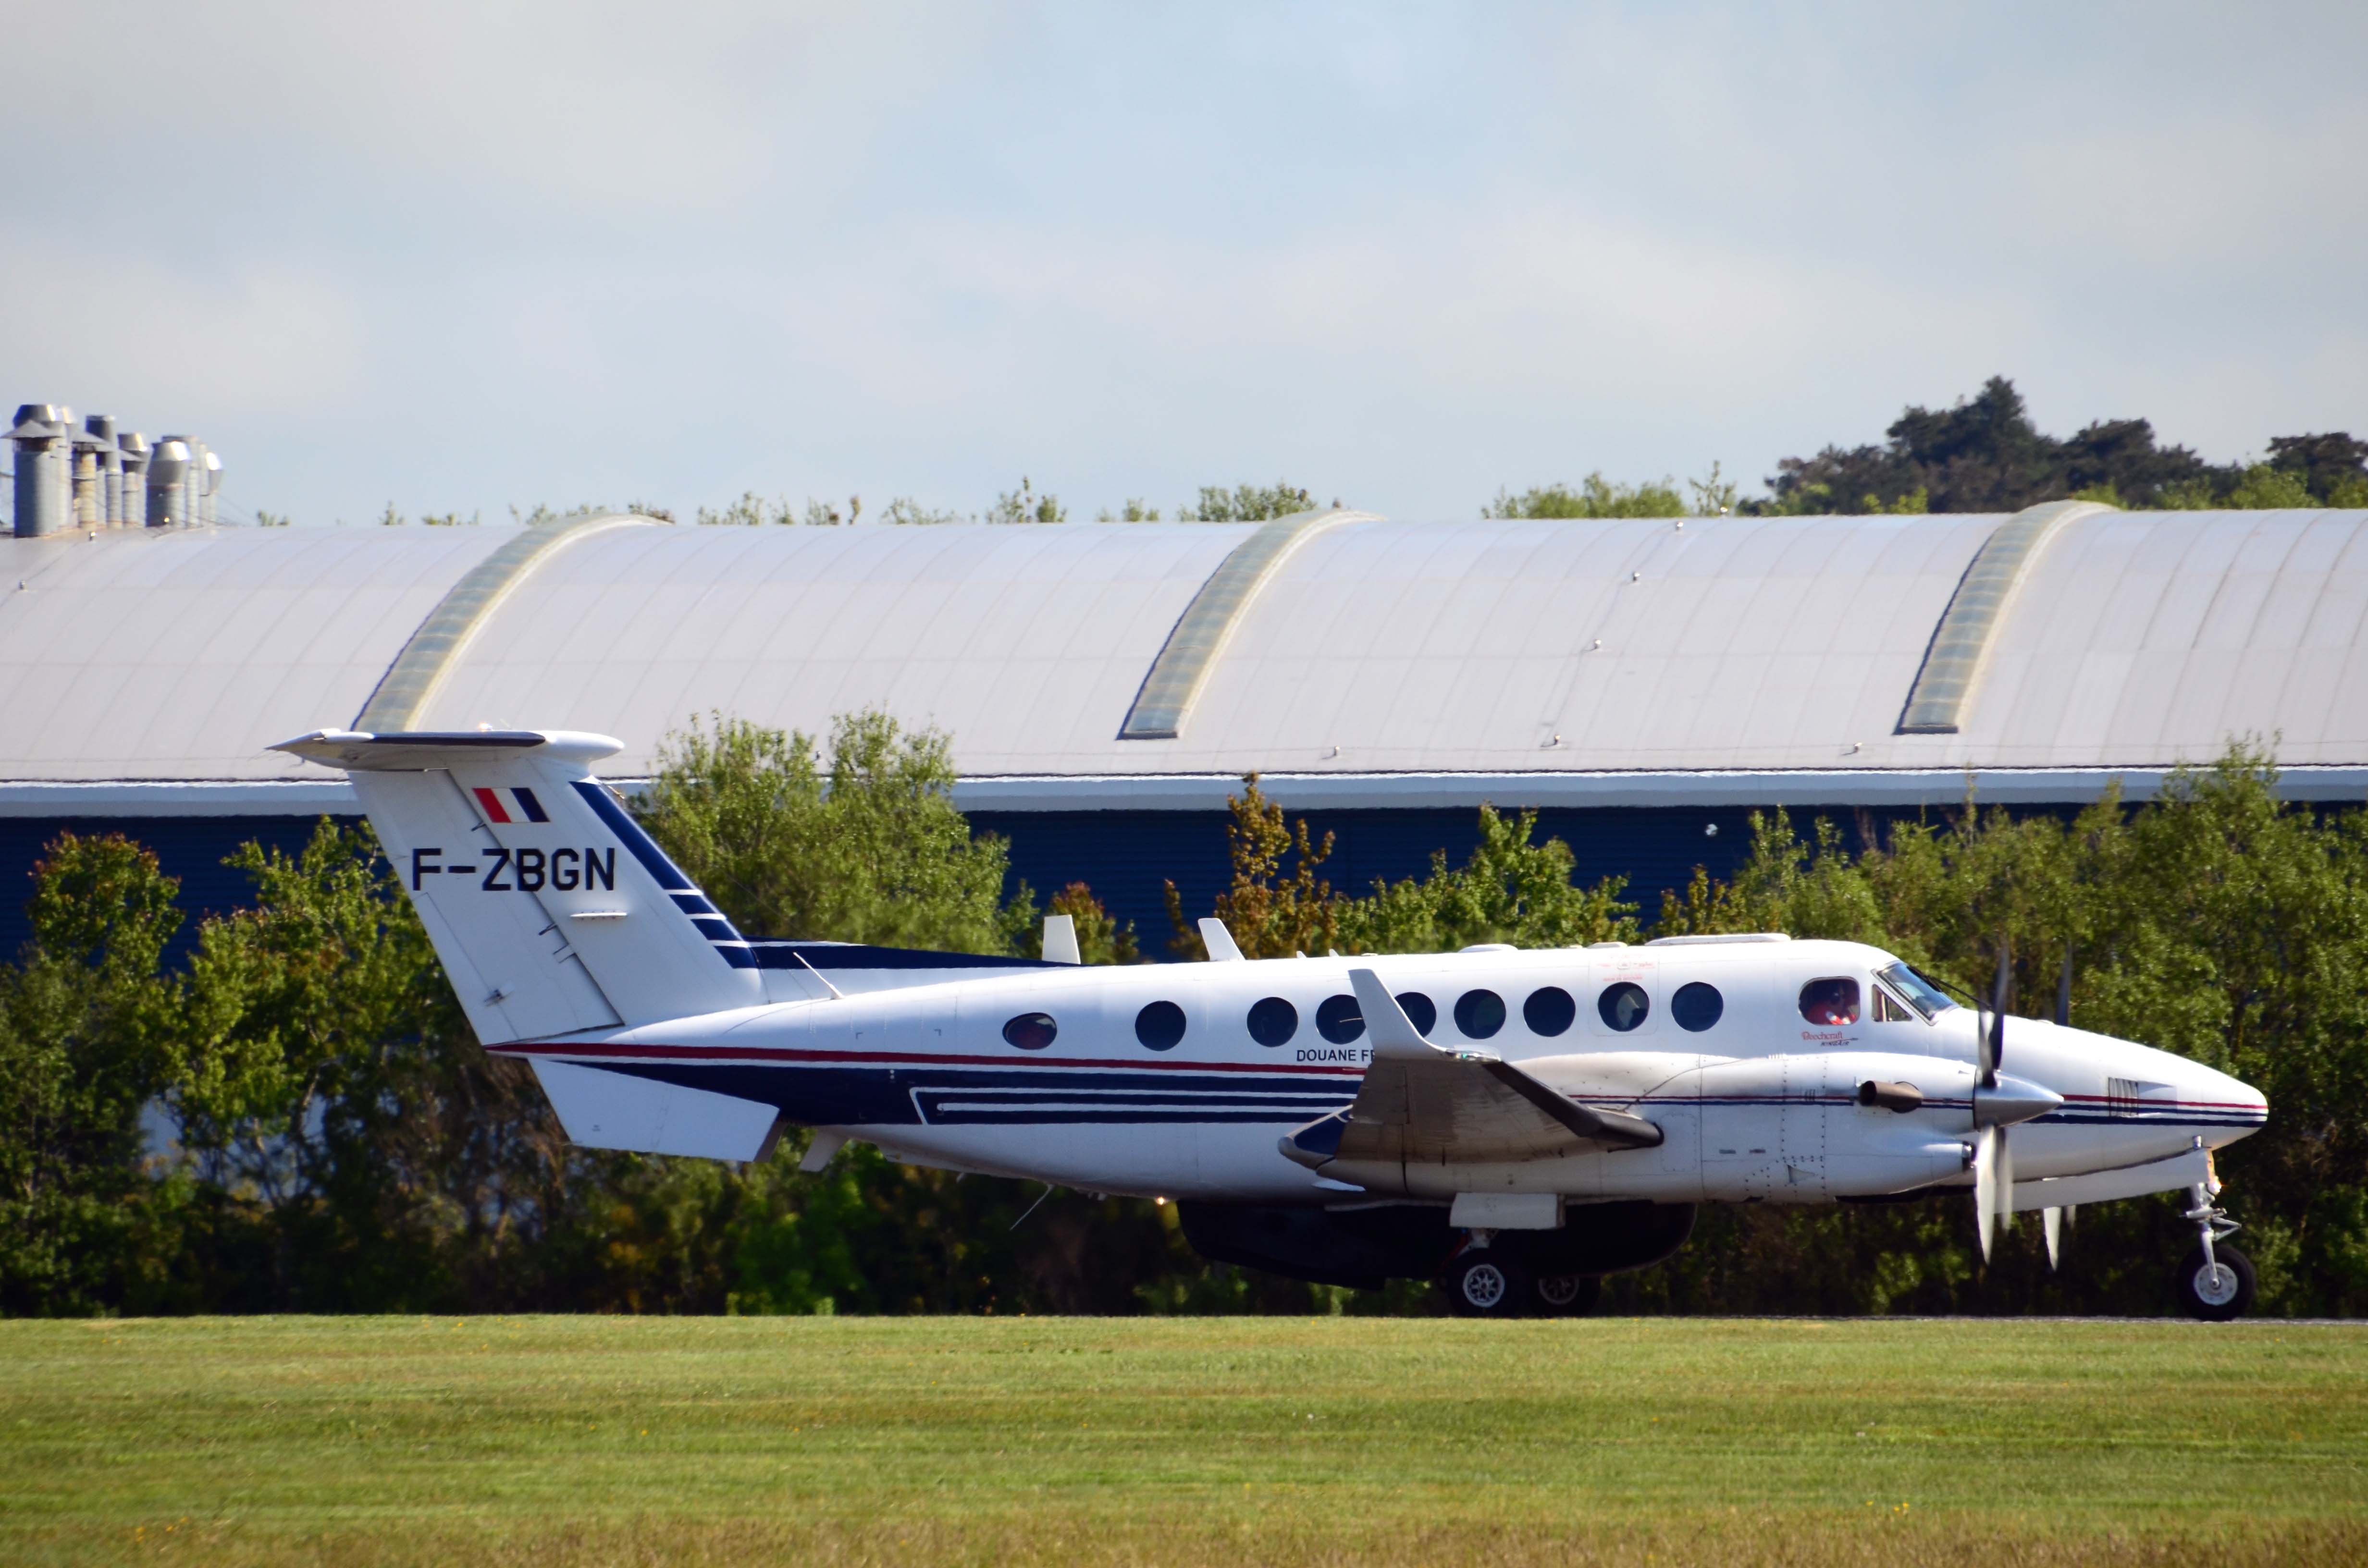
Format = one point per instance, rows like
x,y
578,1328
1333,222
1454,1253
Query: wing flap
x,y
1423,1104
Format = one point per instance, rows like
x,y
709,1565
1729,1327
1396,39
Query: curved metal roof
x,y
1369,650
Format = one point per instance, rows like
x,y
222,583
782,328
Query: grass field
x,y
560,1441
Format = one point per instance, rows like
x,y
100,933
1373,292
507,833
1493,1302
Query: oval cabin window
x,y
1338,1020
1160,1026
1549,1010
1696,1007
1273,1021
1479,1014
1831,1003
1030,1031
1624,1006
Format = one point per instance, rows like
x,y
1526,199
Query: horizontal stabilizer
x,y
614,1110
416,751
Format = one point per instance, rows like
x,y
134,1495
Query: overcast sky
x,y
465,256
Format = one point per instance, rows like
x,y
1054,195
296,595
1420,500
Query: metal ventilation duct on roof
x,y
43,438
131,501
96,468
168,483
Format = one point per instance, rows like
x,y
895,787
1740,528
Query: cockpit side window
x,y
1922,994
1830,1002
1889,1009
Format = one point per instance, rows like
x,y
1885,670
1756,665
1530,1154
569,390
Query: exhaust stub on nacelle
x,y
1899,1098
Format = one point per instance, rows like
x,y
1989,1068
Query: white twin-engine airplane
x,y
1515,1124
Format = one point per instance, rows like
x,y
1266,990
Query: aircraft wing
x,y
1423,1104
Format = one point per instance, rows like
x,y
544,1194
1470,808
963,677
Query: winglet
x,y
1219,941
1386,1024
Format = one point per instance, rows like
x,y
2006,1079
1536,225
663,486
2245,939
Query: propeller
x,y
1993,1039
2051,1221
1993,1162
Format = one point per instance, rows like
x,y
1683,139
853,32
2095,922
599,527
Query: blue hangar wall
x,y
1125,856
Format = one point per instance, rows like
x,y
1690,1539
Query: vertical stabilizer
x,y
552,911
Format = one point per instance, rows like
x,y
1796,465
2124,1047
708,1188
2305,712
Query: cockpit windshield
x,y
1919,993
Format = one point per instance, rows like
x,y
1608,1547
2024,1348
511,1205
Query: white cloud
x,y
130,333
474,254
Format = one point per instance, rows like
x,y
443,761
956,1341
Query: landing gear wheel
x,y
2218,1289
1567,1295
1486,1284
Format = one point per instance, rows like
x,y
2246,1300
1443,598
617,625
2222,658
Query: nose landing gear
x,y
2215,1283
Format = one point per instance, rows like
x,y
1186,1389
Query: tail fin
x,y
510,848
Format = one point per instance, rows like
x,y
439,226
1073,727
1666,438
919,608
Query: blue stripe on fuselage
x,y
848,1096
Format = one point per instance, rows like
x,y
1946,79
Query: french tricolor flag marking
x,y
525,809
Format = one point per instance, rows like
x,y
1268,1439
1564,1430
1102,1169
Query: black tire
x,y
2216,1299
1486,1284
1567,1295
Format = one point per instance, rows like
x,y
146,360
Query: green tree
x,y
2265,487
1026,505
2333,467
905,512
1714,494
859,843
86,1045
1983,454
752,510
1272,912
2256,487
541,513
1595,496
1510,890
378,1159
1244,503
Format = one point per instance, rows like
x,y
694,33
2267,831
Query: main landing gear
x,y
1567,1295
1490,1282
2215,1283
1486,1284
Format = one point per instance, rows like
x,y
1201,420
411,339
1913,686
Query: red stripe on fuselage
x,y
922,1059
491,804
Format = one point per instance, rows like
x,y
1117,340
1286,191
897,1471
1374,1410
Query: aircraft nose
x,y
2227,1104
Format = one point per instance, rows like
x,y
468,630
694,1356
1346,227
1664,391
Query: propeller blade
x,y
2064,991
1986,1144
1997,1010
2004,1190
2052,1221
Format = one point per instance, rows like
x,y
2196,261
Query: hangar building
x,y
1645,682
